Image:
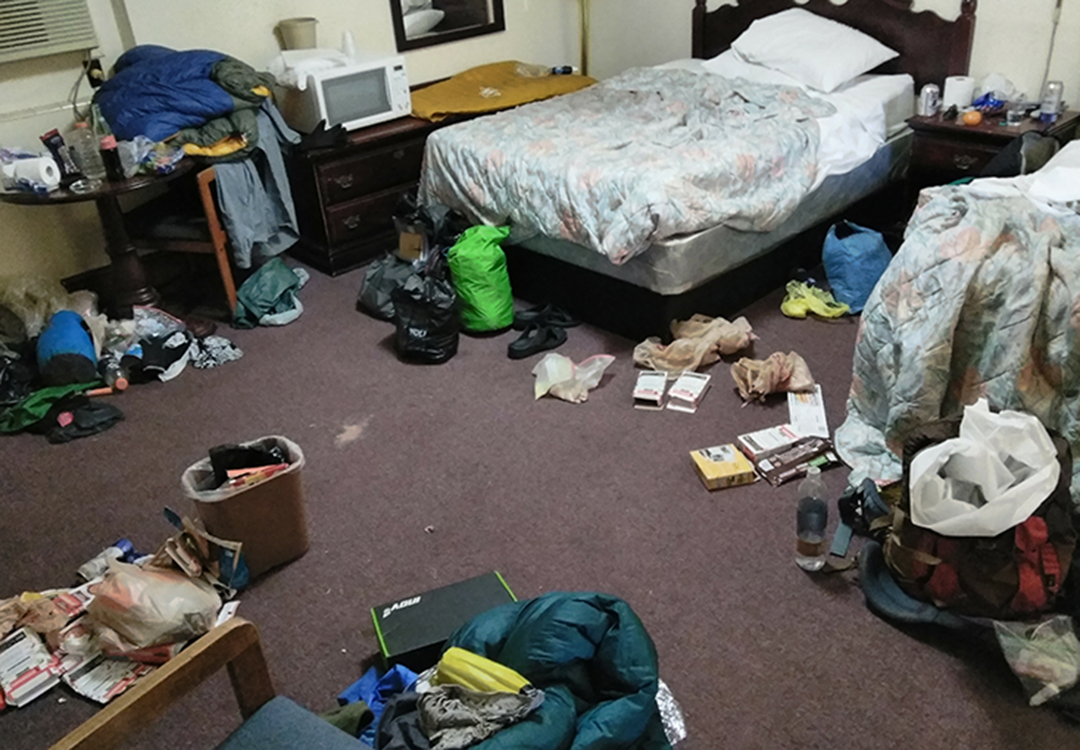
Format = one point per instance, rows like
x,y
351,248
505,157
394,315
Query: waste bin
x,y
268,517
297,33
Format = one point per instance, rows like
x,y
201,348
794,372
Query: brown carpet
x,y
597,496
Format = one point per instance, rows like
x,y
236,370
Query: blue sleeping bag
x,y
157,91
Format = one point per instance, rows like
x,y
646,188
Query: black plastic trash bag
x,y
383,276
425,316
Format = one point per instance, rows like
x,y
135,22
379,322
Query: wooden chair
x,y
155,228
270,723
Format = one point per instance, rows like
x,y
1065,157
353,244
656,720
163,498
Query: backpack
x,y
1015,574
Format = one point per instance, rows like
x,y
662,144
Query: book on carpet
x,y
649,390
806,413
768,442
793,462
687,391
722,466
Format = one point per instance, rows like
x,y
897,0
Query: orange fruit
x,y
974,117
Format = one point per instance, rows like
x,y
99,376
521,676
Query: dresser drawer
x,y
943,155
372,172
364,217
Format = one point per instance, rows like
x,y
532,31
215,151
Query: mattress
x,y
679,264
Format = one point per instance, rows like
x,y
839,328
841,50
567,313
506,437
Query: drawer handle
x,y
963,161
399,154
345,181
352,222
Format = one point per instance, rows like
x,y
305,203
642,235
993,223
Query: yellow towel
x,y
489,88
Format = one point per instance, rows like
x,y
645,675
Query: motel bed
x,y
667,232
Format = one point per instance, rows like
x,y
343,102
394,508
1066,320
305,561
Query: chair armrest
x,y
234,644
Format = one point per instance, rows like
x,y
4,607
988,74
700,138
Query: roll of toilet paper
x,y
42,170
959,90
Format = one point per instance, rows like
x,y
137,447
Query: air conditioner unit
x,y
35,28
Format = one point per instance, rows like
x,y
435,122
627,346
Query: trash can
x,y
267,517
297,33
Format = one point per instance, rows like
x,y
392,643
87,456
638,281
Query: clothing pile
x,y
57,353
561,670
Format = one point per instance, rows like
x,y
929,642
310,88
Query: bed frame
x,y
930,48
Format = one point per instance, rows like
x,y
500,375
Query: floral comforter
x,y
637,158
983,299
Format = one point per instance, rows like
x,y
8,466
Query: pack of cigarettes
x,y
722,466
27,669
687,391
768,442
793,462
649,391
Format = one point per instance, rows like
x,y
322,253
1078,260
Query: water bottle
x,y
812,520
114,373
84,149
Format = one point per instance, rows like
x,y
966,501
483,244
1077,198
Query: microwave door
x,y
358,96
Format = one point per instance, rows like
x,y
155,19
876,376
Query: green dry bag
x,y
478,267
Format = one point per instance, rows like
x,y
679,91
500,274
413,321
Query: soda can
x,y
929,100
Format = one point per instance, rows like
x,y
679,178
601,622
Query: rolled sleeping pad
x,y
65,351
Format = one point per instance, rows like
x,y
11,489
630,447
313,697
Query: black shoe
x,y
534,340
544,315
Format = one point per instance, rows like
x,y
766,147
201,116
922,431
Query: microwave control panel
x,y
399,85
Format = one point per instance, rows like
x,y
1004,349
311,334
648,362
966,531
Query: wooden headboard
x,y
930,47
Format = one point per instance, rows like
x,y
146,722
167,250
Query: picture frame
x,y
423,23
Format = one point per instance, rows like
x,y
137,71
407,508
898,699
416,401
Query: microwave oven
x,y
354,96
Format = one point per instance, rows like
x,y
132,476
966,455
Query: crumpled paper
x,y
698,341
559,376
757,378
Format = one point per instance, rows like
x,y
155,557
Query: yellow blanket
x,y
489,88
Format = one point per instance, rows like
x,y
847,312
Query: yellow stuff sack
x,y
460,667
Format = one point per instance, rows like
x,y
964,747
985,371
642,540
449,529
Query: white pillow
x,y
820,53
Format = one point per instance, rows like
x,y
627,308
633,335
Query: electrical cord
x,y
1050,54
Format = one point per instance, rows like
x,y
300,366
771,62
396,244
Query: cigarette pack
x,y
649,390
722,466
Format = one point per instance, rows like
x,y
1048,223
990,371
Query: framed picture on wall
x,y
422,23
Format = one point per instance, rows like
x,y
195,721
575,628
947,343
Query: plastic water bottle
x,y
812,520
84,149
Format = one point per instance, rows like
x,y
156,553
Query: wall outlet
x,y
94,74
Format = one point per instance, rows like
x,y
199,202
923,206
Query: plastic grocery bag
x,y
150,606
990,479
854,258
559,376
1045,656
478,268
382,277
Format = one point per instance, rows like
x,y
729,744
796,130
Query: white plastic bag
x,y
151,606
559,376
988,480
1045,655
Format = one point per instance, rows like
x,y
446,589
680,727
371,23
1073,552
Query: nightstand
x,y
946,150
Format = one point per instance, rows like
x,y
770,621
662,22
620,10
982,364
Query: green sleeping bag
x,y
478,267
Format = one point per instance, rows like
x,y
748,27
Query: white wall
x,y
1011,37
61,241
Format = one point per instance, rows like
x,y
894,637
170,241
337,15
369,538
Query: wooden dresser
x,y
946,150
345,196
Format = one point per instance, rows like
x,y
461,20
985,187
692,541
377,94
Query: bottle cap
x,y
82,124
120,384
108,141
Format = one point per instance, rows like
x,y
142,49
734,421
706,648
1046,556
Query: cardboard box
x,y
412,630
722,466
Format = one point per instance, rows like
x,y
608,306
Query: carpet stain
x,y
350,433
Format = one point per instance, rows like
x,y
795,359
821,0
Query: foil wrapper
x,y
671,714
